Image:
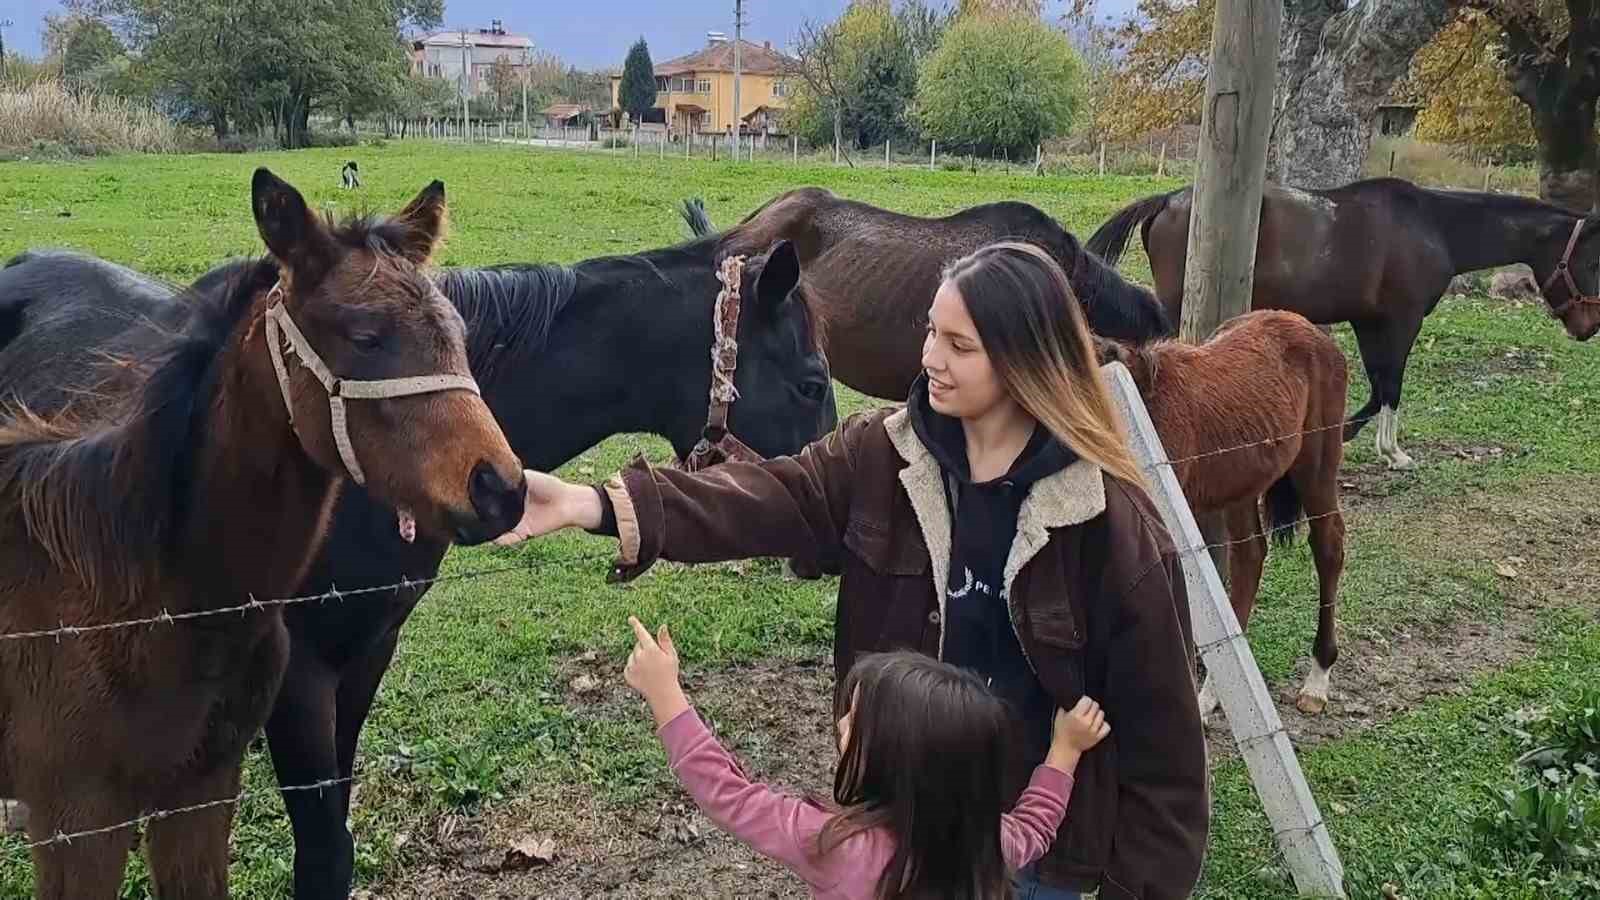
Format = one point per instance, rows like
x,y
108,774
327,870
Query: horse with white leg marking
x,y
1380,254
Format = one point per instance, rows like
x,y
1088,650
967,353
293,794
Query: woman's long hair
x,y
927,760
1034,333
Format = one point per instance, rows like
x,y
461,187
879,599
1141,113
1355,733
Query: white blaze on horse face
x,y
1314,695
1388,441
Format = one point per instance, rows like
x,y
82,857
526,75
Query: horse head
x,y
1570,279
370,361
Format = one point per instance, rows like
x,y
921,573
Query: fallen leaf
x,y
530,851
586,684
1340,808
1504,570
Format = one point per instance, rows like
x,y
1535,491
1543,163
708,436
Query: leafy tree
x,y
1031,9
1000,83
82,43
1460,82
858,74
637,93
505,84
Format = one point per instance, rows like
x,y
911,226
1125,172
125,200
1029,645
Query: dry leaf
x,y
530,851
1505,570
586,684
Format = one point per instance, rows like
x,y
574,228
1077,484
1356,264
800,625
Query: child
x,y
918,787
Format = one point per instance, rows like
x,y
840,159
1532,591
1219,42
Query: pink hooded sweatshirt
x,y
785,828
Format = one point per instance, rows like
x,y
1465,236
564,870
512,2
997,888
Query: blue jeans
x,y
1028,887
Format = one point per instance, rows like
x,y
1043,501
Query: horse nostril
x,y
497,502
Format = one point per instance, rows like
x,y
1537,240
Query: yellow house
x,y
695,92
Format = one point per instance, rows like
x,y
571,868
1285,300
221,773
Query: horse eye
x,y
366,340
813,390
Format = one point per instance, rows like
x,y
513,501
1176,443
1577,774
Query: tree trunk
x,y
1560,88
1335,66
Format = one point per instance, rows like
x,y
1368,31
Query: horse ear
x,y
423,223
292,233
778,274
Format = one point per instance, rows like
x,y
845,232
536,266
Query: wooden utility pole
x,y
525,93
4,24
466,87
1235,123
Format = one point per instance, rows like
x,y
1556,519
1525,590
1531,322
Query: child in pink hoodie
x,y
919,810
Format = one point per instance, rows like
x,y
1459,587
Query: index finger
x,y
640,633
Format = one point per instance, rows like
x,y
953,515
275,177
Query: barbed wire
x,y
254,605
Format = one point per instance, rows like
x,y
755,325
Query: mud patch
x,y
1537,547
775,716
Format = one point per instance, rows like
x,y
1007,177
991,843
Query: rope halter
x,y
280,326
1564,270
717,444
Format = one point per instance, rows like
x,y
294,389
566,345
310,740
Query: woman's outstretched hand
x,y
553,504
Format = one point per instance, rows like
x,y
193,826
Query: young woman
x,y
998,523
919,795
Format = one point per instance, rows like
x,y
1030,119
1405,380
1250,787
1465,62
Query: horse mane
x,y
1115,300
509,309
103,486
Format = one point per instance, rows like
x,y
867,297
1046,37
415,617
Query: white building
x,y
443,54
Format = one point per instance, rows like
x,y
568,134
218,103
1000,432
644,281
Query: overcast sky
x,y
583,35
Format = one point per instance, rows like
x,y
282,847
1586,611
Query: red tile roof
x,y
755,59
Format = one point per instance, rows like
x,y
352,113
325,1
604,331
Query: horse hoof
x,y
1311,705
1401,461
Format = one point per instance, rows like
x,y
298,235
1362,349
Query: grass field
x,y
1470,596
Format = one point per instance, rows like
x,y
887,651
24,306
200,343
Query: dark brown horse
x,y
871,275
1262,376
1380,254
197,476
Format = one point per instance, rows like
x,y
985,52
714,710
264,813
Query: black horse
x,y
565,355
1379,254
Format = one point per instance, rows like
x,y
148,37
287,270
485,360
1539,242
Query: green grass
x,y
473,705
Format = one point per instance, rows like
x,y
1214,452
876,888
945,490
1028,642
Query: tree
x,y
1030,9
1550,50
1003,83
1459,80
1338,61
269,63
82,43
505,84
637,93
858,75
1095,43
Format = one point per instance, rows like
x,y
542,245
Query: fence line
x,y
254,605
333,593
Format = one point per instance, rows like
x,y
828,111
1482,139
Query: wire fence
x,y
334,594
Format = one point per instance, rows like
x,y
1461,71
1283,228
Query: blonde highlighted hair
x,y
1033,331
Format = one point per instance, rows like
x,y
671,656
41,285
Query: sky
x,y
577,32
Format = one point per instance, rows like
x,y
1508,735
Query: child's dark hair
x,y
927,759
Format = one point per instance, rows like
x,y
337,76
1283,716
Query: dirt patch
x,y
1539,549
775,716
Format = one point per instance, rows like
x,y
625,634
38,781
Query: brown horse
x,y
870,275
1268,392
199,477
1379,254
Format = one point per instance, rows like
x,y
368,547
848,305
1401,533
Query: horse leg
x,y
1319,491
89,868
1247,552
1369,342
188,853
358,686
301,738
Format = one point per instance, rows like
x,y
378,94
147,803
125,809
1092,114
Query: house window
x,y
683,84
780,89
705,86
663,84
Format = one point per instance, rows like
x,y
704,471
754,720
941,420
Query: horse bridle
x,y
717,444
281,325
1564,270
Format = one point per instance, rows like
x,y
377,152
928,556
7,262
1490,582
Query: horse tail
x,y
1110,239
694,215
1284,510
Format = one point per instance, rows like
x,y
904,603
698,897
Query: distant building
x,y
439,55
695,92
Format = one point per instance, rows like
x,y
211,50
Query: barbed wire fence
x,y
68,631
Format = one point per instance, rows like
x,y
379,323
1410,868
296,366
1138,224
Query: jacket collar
x,y
1071,496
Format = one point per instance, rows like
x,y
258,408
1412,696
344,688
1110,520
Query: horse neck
x,y
592,380
1483,231
259,504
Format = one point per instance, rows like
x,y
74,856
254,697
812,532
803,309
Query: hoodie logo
x,y
972,584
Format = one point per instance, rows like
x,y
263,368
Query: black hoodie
x,y
978,632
